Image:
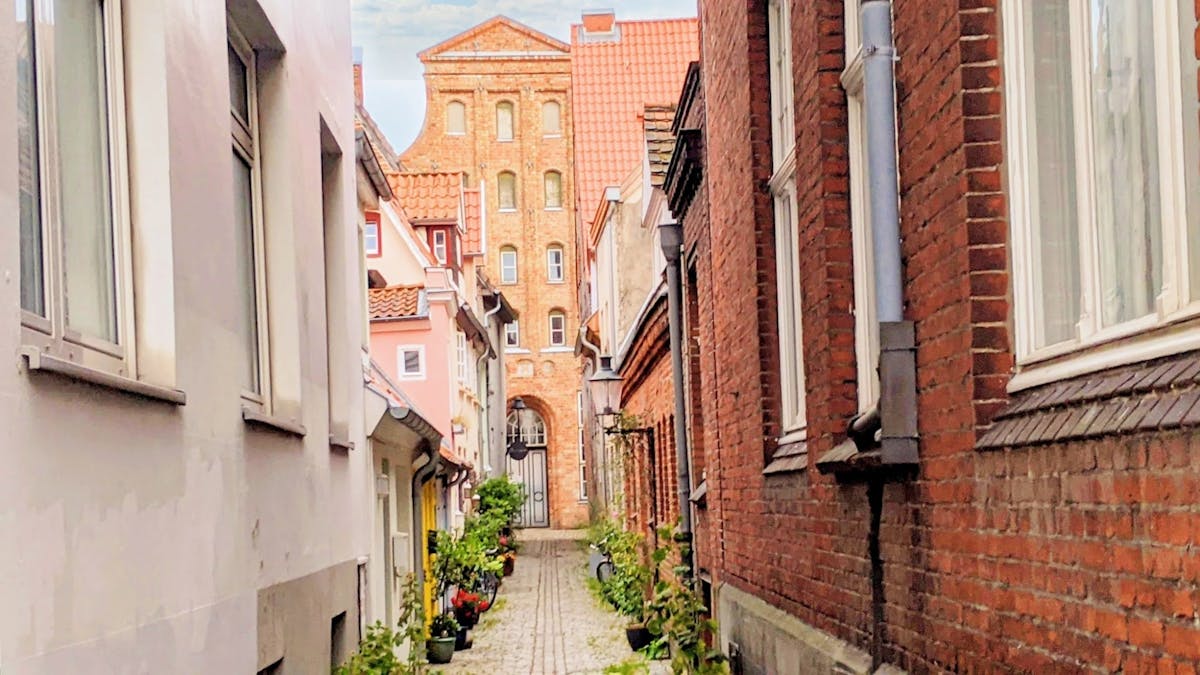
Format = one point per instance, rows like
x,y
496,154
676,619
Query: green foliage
x,y
444,625
377,651
502,496
678,616
634,665
626,589
461,560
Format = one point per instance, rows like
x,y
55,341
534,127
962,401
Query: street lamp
x,y
605,389
517,449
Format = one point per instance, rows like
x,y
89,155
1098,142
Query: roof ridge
x,y
499,19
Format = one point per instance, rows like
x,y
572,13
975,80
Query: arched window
x,y
508,265
504,121
456,118
558,329
554,263
507,191
553,190
533,433
551,119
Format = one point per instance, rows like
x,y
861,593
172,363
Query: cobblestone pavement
x,y
546,619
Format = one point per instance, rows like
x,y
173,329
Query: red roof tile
x,y
473,244
394,302
429,196
660,142
614,77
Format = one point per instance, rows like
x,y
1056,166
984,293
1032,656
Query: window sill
x,y
37,361
553,208
502,210
340,443
561,349
255,418
1158,343
516,350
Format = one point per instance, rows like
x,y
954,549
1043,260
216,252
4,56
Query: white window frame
x,y
554,269
461,357
401,372
562,329
500,192
450,131
246,143
512,335
1159,333
49,333
505,253
439,246
552,205
547,132
783,194
866,322
583,493
512,122
371,234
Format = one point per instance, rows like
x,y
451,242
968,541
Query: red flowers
x,y
468,606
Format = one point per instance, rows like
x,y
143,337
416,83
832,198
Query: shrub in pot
x,y
443,632
467,607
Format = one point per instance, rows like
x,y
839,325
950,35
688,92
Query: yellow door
x,y
428,525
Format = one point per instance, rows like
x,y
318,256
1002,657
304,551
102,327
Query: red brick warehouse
x,y
1044,364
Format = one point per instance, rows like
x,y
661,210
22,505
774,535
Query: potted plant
x,y
443,632
468,607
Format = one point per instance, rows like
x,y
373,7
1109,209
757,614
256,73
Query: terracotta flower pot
x,y
441,650
510,564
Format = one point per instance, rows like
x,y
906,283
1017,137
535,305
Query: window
x,y
554,264
583,492
508,265
553,190
504,121
866,328
533,433
248,250
410,362
783,193
372,243
512,335
558,329
75,278
439,246
507,182
551,119
456,118
461,352
1104,206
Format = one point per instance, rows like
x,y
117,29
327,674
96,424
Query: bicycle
x,y
601,561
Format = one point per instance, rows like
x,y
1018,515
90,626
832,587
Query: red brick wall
x,y
1054,558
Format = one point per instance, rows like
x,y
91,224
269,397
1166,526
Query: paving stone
x,y
549,622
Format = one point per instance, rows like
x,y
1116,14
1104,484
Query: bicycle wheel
x,y
489,586
605,570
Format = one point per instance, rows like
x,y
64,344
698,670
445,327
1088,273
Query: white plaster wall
x,y
136,534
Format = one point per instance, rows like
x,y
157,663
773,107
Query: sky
x,y
391,32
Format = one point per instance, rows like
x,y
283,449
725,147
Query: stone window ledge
x,y
262,420
39,362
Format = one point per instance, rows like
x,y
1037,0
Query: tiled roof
x,y
395,302
613,81
660,143
384,151
473,244
429,196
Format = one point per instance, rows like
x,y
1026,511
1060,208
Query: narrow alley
x,y
546,620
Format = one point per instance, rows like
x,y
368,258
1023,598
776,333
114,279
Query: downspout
x,y
487,399
602,469
422,476
671,240
897,337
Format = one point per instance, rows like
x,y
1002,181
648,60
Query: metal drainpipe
x,y
487,398
897,337
671,240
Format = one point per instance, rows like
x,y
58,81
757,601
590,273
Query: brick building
x,y
498,100
1050,239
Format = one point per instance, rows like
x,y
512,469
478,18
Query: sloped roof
x,y
612,82
384,152
497,34
395,302
660,142
429,195
473,242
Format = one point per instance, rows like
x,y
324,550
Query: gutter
x,y
420,541
671,240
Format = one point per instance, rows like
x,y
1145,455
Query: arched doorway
x,y
531,471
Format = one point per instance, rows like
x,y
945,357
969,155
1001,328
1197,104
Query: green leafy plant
x,y
461,560
501,496
377,651
625,589
444,625
677,614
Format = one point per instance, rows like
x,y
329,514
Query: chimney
x,y
599,20
358,76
